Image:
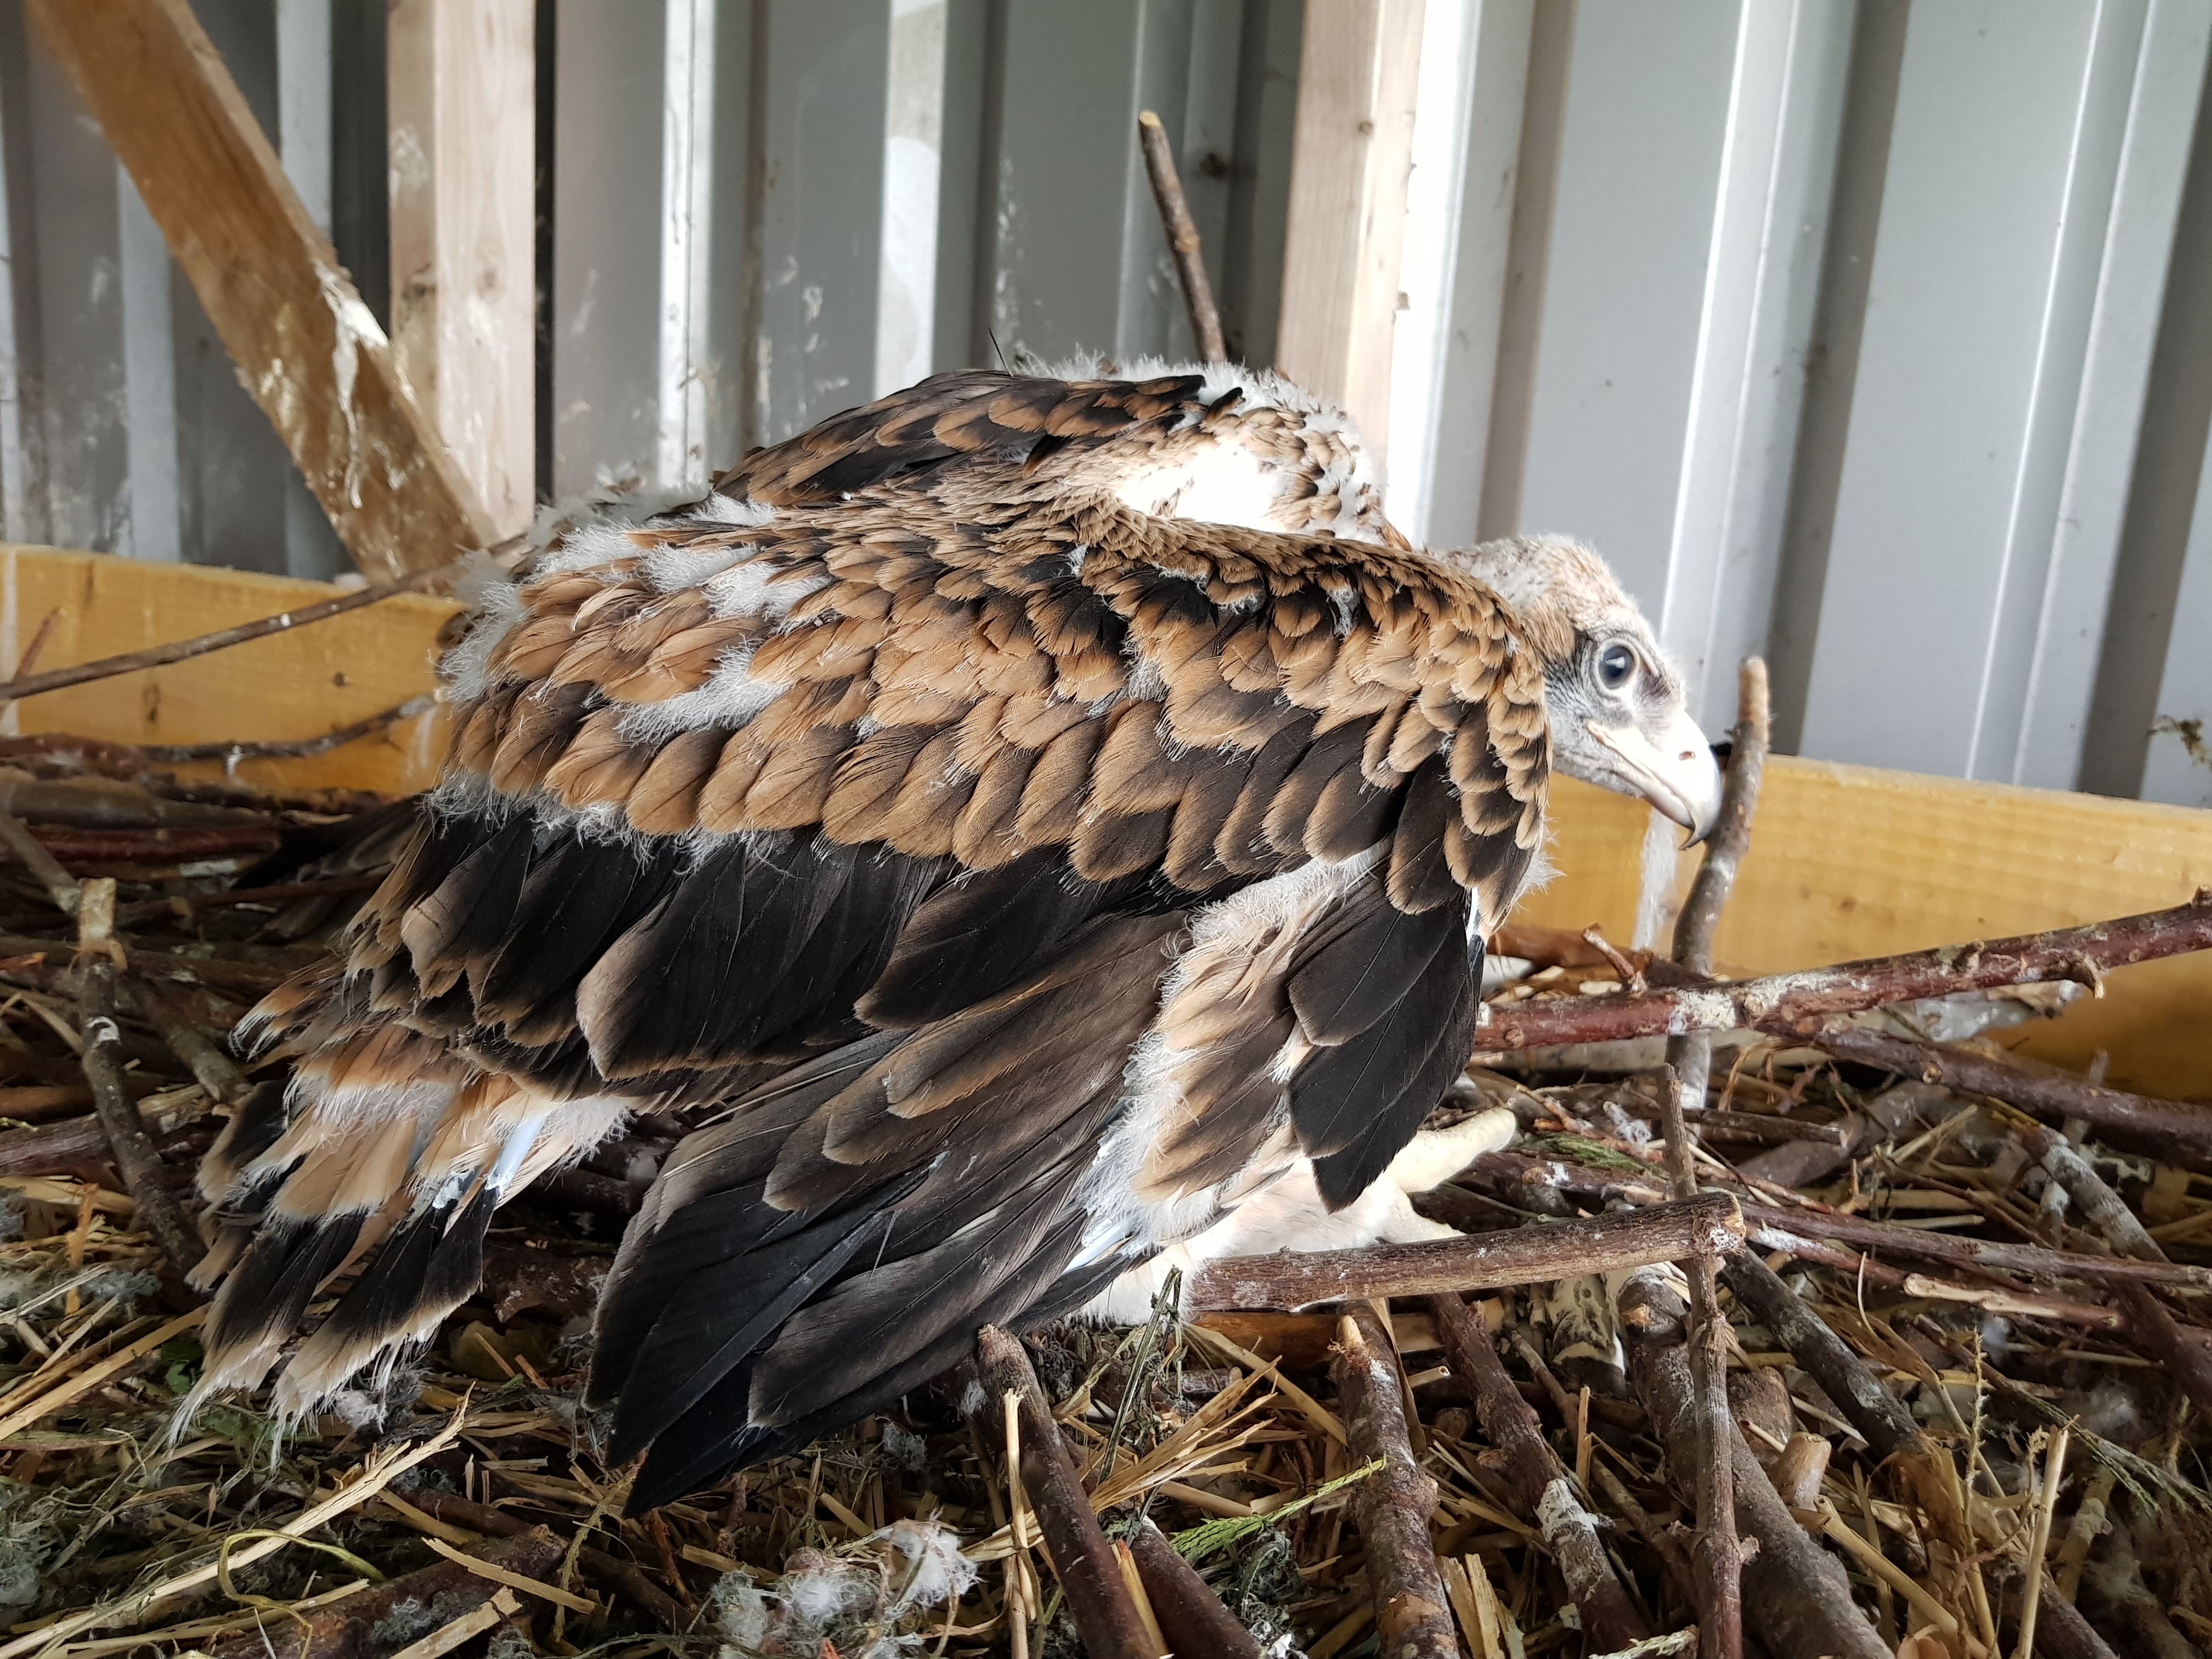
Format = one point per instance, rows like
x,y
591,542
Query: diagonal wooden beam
x,y
307,350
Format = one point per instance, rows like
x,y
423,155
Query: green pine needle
x,y
1201,1541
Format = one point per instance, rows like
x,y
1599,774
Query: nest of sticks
x,y
1797,1319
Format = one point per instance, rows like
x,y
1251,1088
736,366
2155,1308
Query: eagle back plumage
x,y
1021,877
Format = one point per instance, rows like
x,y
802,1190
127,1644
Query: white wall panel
x,y
913,167
1493,77
1435,195
1723,606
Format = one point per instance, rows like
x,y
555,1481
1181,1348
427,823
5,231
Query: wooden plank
x,y
296,684
1849,861
462,112
1356,81
306,347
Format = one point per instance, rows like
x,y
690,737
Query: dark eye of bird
x,y
1616,666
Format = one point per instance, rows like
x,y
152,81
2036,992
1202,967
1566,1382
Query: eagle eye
x,y
1616,666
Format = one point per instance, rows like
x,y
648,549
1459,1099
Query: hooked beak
x,y
1677,775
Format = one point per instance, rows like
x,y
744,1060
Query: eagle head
x,y
1618,714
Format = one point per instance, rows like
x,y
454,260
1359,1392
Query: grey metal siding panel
x,y
1647,123
606,246
820,210
1868,334
1959,343
83,395
2132,285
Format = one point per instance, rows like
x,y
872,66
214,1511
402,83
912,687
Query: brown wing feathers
x,y
949,685
964,415
925,787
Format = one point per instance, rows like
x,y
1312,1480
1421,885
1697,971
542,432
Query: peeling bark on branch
x,y
1792,1004
1481,1261
1413,1613
1098,1598
1540,1481
1797,1598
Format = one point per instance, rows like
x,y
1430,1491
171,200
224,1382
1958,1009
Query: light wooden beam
x,y
1349,165
462,98
307,350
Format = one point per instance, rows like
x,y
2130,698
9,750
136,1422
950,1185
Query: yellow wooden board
x,y
299,684
1846,861
1849,861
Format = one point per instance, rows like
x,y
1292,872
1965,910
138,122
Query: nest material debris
x,y
2055,1448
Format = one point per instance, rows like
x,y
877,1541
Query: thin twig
x,y
211,971
1190,1615
1717,1556
32,853
162,847
2054,1475
1731,836
1795,1596
602,1569
1879,1416
1794,1004
1182,237
292,748
1782,1229
156,656
2046,1094
2188,1361
343,1629
188,904
1547,1495
136,1156
213,1070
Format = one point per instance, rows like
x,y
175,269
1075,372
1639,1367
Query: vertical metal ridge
x,y
1521,314
1831,363
686,132
984,346
2162,495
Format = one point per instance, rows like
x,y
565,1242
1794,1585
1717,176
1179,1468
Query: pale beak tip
x,y
1702,813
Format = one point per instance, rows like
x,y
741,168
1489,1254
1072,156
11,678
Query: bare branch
x,y
1518,1255
1412,1613
1182,237
157,656
1793,1004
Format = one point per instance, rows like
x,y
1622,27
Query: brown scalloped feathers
x,y
936,671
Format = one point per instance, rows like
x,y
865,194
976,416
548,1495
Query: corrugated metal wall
x,y
1876,335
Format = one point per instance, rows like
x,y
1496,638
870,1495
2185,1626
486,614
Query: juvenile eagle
x,y
1025,819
